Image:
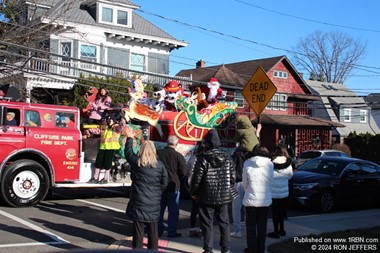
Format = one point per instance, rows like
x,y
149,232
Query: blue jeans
x,y
237,207
170,200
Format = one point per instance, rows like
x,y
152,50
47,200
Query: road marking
x,y
56,238
100,205
30,244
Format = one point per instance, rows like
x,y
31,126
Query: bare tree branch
x,y
328,56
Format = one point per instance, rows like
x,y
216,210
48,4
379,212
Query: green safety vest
x,y
109,139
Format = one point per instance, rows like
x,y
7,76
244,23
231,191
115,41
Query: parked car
x,y
325,181
307,155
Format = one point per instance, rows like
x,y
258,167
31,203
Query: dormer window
x,y
107,15
114,15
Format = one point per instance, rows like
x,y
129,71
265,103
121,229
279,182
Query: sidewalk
x,y
295,227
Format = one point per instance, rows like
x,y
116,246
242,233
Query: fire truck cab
x,y
41,148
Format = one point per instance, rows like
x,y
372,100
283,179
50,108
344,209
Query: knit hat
x,y
12,114
212,139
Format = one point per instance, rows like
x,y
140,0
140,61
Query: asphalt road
x,y
77,219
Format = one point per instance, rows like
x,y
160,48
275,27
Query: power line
x,y
307,19
242,39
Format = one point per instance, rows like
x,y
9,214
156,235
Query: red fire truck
x,y
43,146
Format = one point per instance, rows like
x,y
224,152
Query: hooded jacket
x,y
246,136
283,172
213,173
257,179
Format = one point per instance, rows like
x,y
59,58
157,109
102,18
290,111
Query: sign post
x,y
259,91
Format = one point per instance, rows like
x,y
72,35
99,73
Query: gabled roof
x,y
78,13
244,70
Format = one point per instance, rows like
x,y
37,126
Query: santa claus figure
x,y
172,92
212,90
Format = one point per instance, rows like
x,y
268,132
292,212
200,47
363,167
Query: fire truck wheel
x,y
24,183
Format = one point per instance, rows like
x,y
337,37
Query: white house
x,y
92,37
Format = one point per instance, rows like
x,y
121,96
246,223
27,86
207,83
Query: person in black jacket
x,y
176,166
212,184
149,179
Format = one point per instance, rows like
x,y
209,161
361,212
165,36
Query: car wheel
x,y
326,201
24,183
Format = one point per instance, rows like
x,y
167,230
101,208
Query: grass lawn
x,y
357,240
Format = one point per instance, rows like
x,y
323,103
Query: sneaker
x,y
236,235
282,232
273,235
92,181
103,181
174,235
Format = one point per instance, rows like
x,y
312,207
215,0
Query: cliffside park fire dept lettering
x,y
47,139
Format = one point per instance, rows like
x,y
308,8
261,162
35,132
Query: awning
x,y
296,120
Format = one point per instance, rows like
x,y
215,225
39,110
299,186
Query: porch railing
x,y
76,68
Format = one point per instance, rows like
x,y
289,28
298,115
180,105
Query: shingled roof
x,y
79,13
243,70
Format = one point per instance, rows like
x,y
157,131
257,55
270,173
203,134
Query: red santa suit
x,y
212,90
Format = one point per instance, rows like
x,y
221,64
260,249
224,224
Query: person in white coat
x,y
283,172
257,179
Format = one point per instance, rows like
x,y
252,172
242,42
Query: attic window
x,y
280,74
114,15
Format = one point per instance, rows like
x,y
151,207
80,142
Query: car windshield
x,y
310,154
332,168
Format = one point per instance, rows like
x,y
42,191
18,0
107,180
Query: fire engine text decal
x,y
52,139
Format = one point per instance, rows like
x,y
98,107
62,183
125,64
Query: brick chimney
x,y
200,64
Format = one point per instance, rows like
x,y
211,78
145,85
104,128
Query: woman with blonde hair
x,y
149,179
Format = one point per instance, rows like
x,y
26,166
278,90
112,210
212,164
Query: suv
x,y
310,154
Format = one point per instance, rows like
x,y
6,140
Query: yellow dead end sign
x,y
259,91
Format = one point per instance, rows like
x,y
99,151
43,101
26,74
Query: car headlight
x,y
304,187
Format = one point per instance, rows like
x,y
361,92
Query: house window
x,y
107,15
66,51
115,15
239,99
278,102
138,62
88,53
363,116
280,74
122,17
347,115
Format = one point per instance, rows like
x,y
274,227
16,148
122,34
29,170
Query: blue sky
x,y
265,29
